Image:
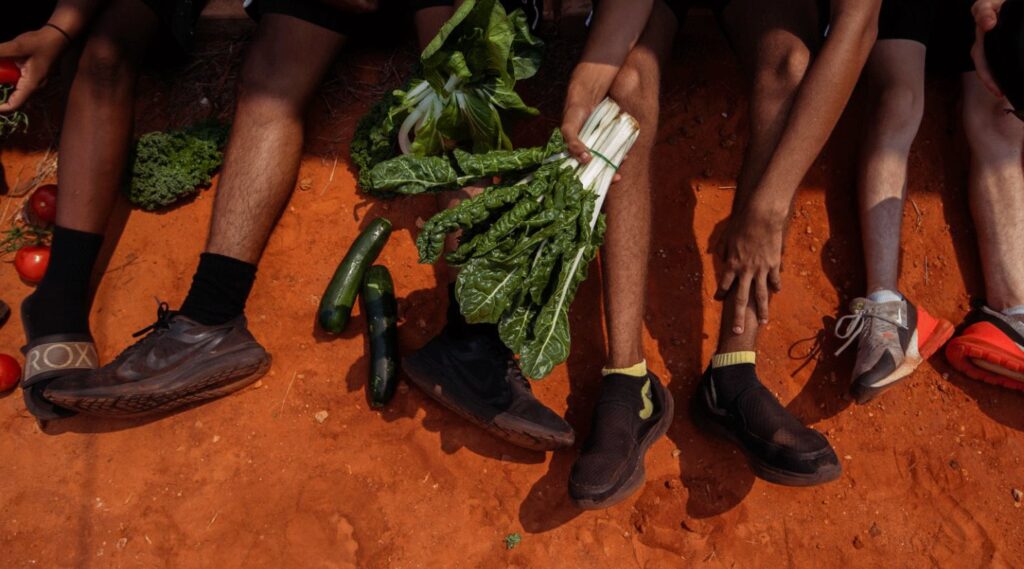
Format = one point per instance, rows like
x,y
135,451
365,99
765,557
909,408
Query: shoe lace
x,y
164,315
858,322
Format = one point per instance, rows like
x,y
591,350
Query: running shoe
x,y
178,363
990,348
894,338
471,372
631,415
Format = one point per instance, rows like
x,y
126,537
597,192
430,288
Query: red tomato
x,y
9,72
43,203
10,372
30,261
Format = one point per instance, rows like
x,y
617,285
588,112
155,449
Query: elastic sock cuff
x,y
635,370
1013,310
733,358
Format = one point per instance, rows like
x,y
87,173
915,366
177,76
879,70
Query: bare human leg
x,y
774,46
996,139
895,72
628,207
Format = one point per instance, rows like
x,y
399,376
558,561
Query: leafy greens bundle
x,y
526,243
171,165
466,79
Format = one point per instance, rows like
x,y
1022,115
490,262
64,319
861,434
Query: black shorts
x,y
945,27
344,23
681,7
178,19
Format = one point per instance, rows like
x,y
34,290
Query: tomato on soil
x,y
30,261
10,372
43,203
9,72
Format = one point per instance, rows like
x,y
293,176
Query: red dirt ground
x,y
255,480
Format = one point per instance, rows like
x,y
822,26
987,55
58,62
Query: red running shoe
x,y
990,348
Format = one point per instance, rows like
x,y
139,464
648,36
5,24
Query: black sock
x,y
60,304
457,324
732,380
219,290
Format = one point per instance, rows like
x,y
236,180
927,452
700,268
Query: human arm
x,y
986,14
617,27
751,247
35,52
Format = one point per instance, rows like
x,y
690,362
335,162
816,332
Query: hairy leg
x,y
97,127
628,206
774,45
281,73
996,139
895,71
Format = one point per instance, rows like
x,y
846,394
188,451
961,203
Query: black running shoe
x,y
631,414
179,363
780,448
477,377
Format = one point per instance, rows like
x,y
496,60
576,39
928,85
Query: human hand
x,y
34,53
751,252
986,14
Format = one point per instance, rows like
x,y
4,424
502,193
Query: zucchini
x,y
382,326
336,304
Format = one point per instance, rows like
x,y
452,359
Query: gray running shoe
x,y
179,363
894,338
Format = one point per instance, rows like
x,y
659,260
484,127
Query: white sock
x,y
1014,310
885,295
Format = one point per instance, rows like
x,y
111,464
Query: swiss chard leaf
x,y
485,288
503,161
411,174
550,339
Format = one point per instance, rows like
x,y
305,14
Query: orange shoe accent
x,y
1003,361
932,333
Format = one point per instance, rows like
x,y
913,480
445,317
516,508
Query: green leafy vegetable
x,y
172,165
11,123
527,244
464,85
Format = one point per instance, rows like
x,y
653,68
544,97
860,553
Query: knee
x,y
263,85
991,130
105,65
781,75
637,94
898,110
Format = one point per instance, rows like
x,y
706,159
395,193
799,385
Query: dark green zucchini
x,y
382,324
336,304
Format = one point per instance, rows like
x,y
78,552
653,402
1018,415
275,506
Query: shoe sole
x,y
639,475
983,361
914,357
511,429
763,470
228,377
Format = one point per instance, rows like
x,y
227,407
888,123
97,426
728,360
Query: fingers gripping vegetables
x,y
381,321
465,82
336,304
527,245
10,123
